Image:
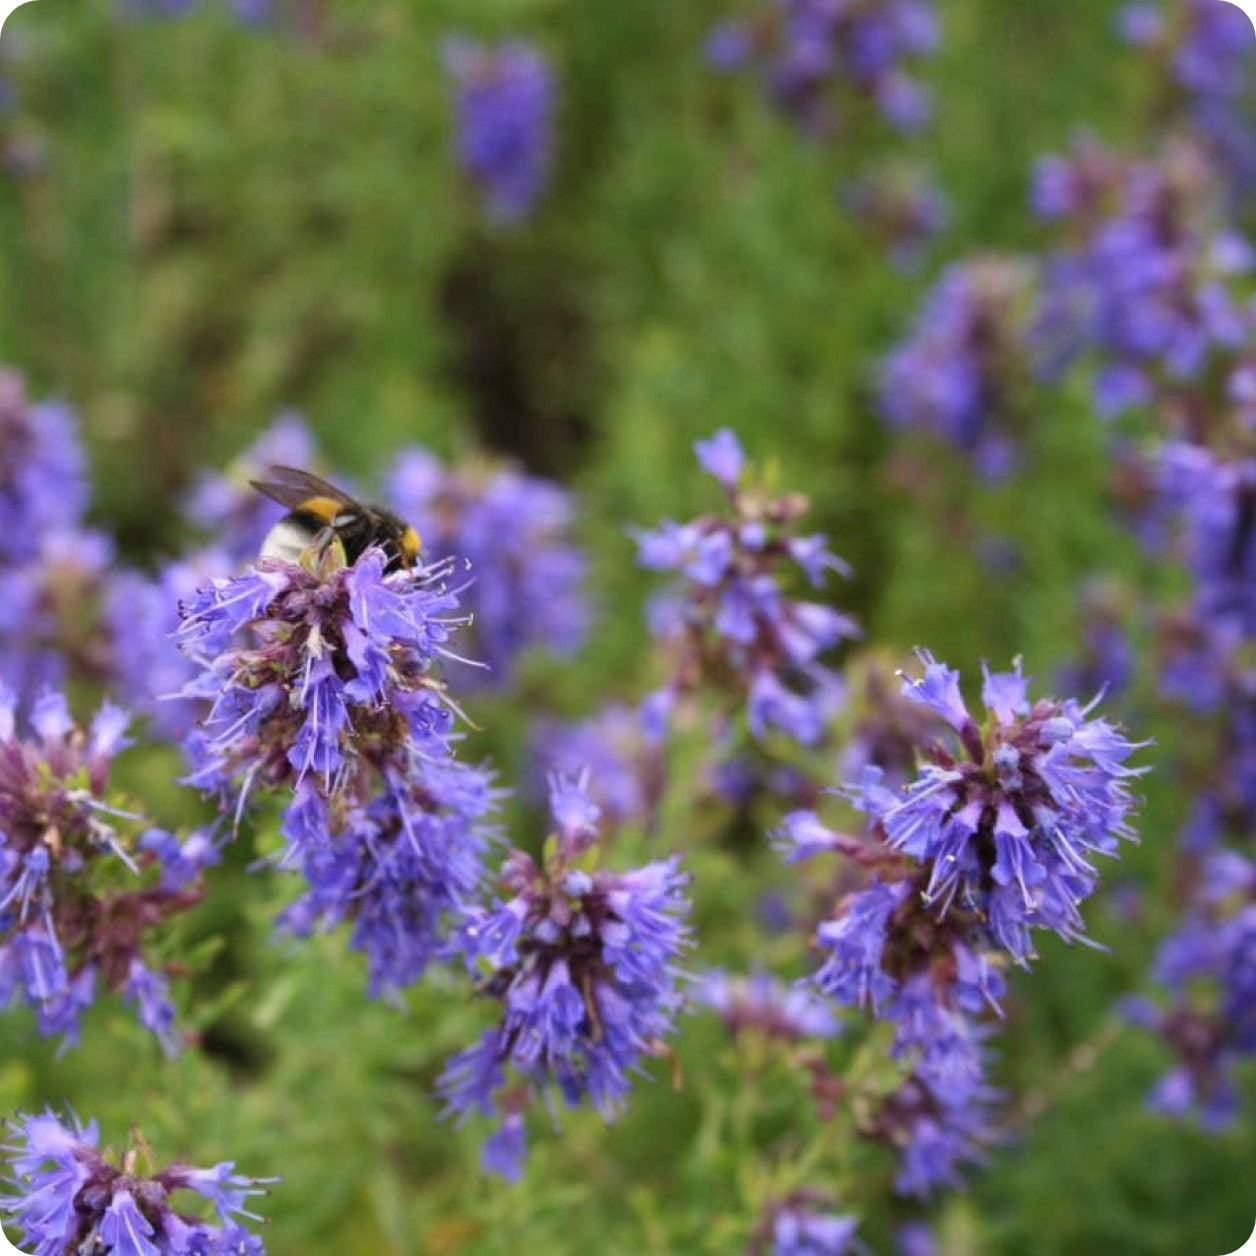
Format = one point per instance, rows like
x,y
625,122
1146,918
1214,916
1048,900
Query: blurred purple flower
x,y
514,533
504,100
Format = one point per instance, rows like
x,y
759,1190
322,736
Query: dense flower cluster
x,y
584,963
812,53
514,532
1206,49
1143,277
77,905
1010,817
1208,970
53,568
731,624
65,1195
992,840
504,99
320,679
963,370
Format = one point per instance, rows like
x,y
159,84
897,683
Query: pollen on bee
x,y
411,545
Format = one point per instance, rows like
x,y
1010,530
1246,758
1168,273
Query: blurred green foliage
x,y
220,223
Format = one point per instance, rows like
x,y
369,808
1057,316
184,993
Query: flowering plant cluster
x,y
566,852
504,100
70,1196
84,884
584,962
810,54
320,682
993,840
730,624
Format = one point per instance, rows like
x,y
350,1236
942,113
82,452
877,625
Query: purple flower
x,y
1144,277
729,621
504,100
1208,970
49,627
395,868
722,456
1008,819
43,472
938,1124
337,670
65,1195
322,681
64,922
513,531
962,372
804,1226
612,746
1215,500
761,1004
813,54
584,966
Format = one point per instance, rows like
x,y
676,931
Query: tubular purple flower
x,y
729,622
322,681
585,967
1008,819
65,1195
63,921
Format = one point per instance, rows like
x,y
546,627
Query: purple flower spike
x,y
65,1195
321,681
729,621
584,964
1010,826
65,919
504,98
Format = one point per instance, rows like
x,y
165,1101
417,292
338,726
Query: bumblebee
x,y
319,513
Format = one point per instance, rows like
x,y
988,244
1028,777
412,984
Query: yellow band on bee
x,y
326,508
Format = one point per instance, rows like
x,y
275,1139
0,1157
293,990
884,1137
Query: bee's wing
x,y
293,488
